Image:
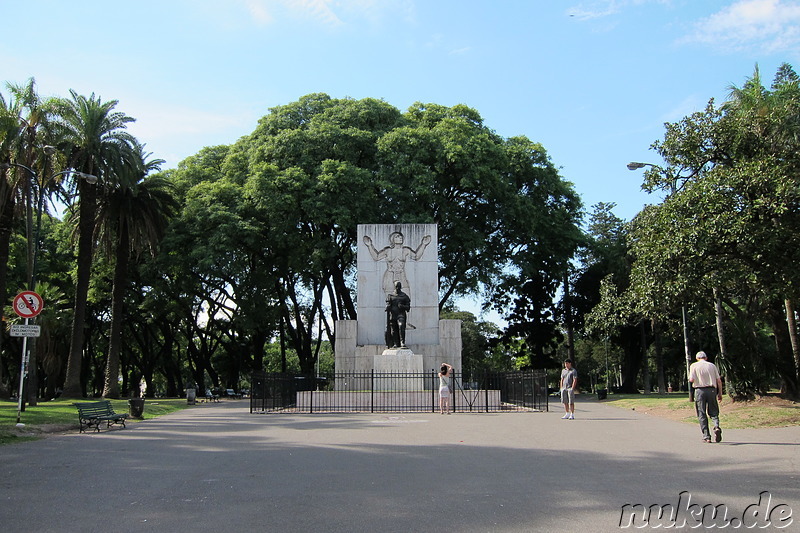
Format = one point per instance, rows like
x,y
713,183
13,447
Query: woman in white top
x,y
445,374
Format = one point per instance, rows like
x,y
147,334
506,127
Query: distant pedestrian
x,y
707,384
445,377
568,386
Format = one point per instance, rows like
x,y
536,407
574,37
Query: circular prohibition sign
x,y
28,304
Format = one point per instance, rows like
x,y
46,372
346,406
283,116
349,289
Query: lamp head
x,y
635,165
91,179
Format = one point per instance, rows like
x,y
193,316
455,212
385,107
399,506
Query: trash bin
x,y
602,394
191,395
136,407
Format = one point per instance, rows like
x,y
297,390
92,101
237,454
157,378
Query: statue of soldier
x,y
398,304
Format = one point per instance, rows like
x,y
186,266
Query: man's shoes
x,y
571,416
707,440
718,434
565,416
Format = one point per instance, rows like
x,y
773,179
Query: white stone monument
x,y
388,253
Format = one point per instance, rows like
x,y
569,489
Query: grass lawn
x,y
766,411
61,415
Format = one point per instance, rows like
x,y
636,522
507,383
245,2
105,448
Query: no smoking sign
x,y
28,304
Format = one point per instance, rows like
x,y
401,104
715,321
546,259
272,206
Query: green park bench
x,y
92,414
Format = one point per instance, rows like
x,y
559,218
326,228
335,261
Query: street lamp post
x,y
90,178
635,165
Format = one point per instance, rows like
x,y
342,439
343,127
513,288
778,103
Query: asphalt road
x,y
217,468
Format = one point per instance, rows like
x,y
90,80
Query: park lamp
x,y
90,178
636,165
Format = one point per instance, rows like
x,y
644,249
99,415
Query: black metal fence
x,y
374,392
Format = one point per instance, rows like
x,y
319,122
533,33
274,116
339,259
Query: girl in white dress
x,y
445,375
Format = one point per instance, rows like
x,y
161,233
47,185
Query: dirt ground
x,y
763,406
42,430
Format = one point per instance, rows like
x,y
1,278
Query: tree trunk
x,y
345,300
88,203
32,381
283,348
721,336
568,319
111,385
645,362
792,324
6,224
662,386
631,344
785,364
258,340
687,352
172,360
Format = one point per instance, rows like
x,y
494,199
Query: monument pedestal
x,y
355,362
401,362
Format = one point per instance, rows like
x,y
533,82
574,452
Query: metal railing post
x,y
311,399
433,390
486,389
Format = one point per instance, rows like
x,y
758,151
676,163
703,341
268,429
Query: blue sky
x,y
593,81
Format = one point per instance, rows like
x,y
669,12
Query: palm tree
x,y
96,143
131,220
9,126
24,132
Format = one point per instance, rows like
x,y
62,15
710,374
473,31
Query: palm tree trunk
x,y
111,386
88,204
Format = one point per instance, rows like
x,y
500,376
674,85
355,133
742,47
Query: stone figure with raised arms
x,y
396,255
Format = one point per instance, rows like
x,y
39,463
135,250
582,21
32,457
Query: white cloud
x,y
460,51
259,12
321,10
594,10
597,9
174,132
689,105
332,13
766,26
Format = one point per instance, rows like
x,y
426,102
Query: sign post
x,y
27,305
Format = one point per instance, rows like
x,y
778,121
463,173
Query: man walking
x,y
569,383
707,384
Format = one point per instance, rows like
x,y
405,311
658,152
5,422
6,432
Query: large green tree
x,y
298,186
603,310
727,235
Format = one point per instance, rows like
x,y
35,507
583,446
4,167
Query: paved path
x,y
217,468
